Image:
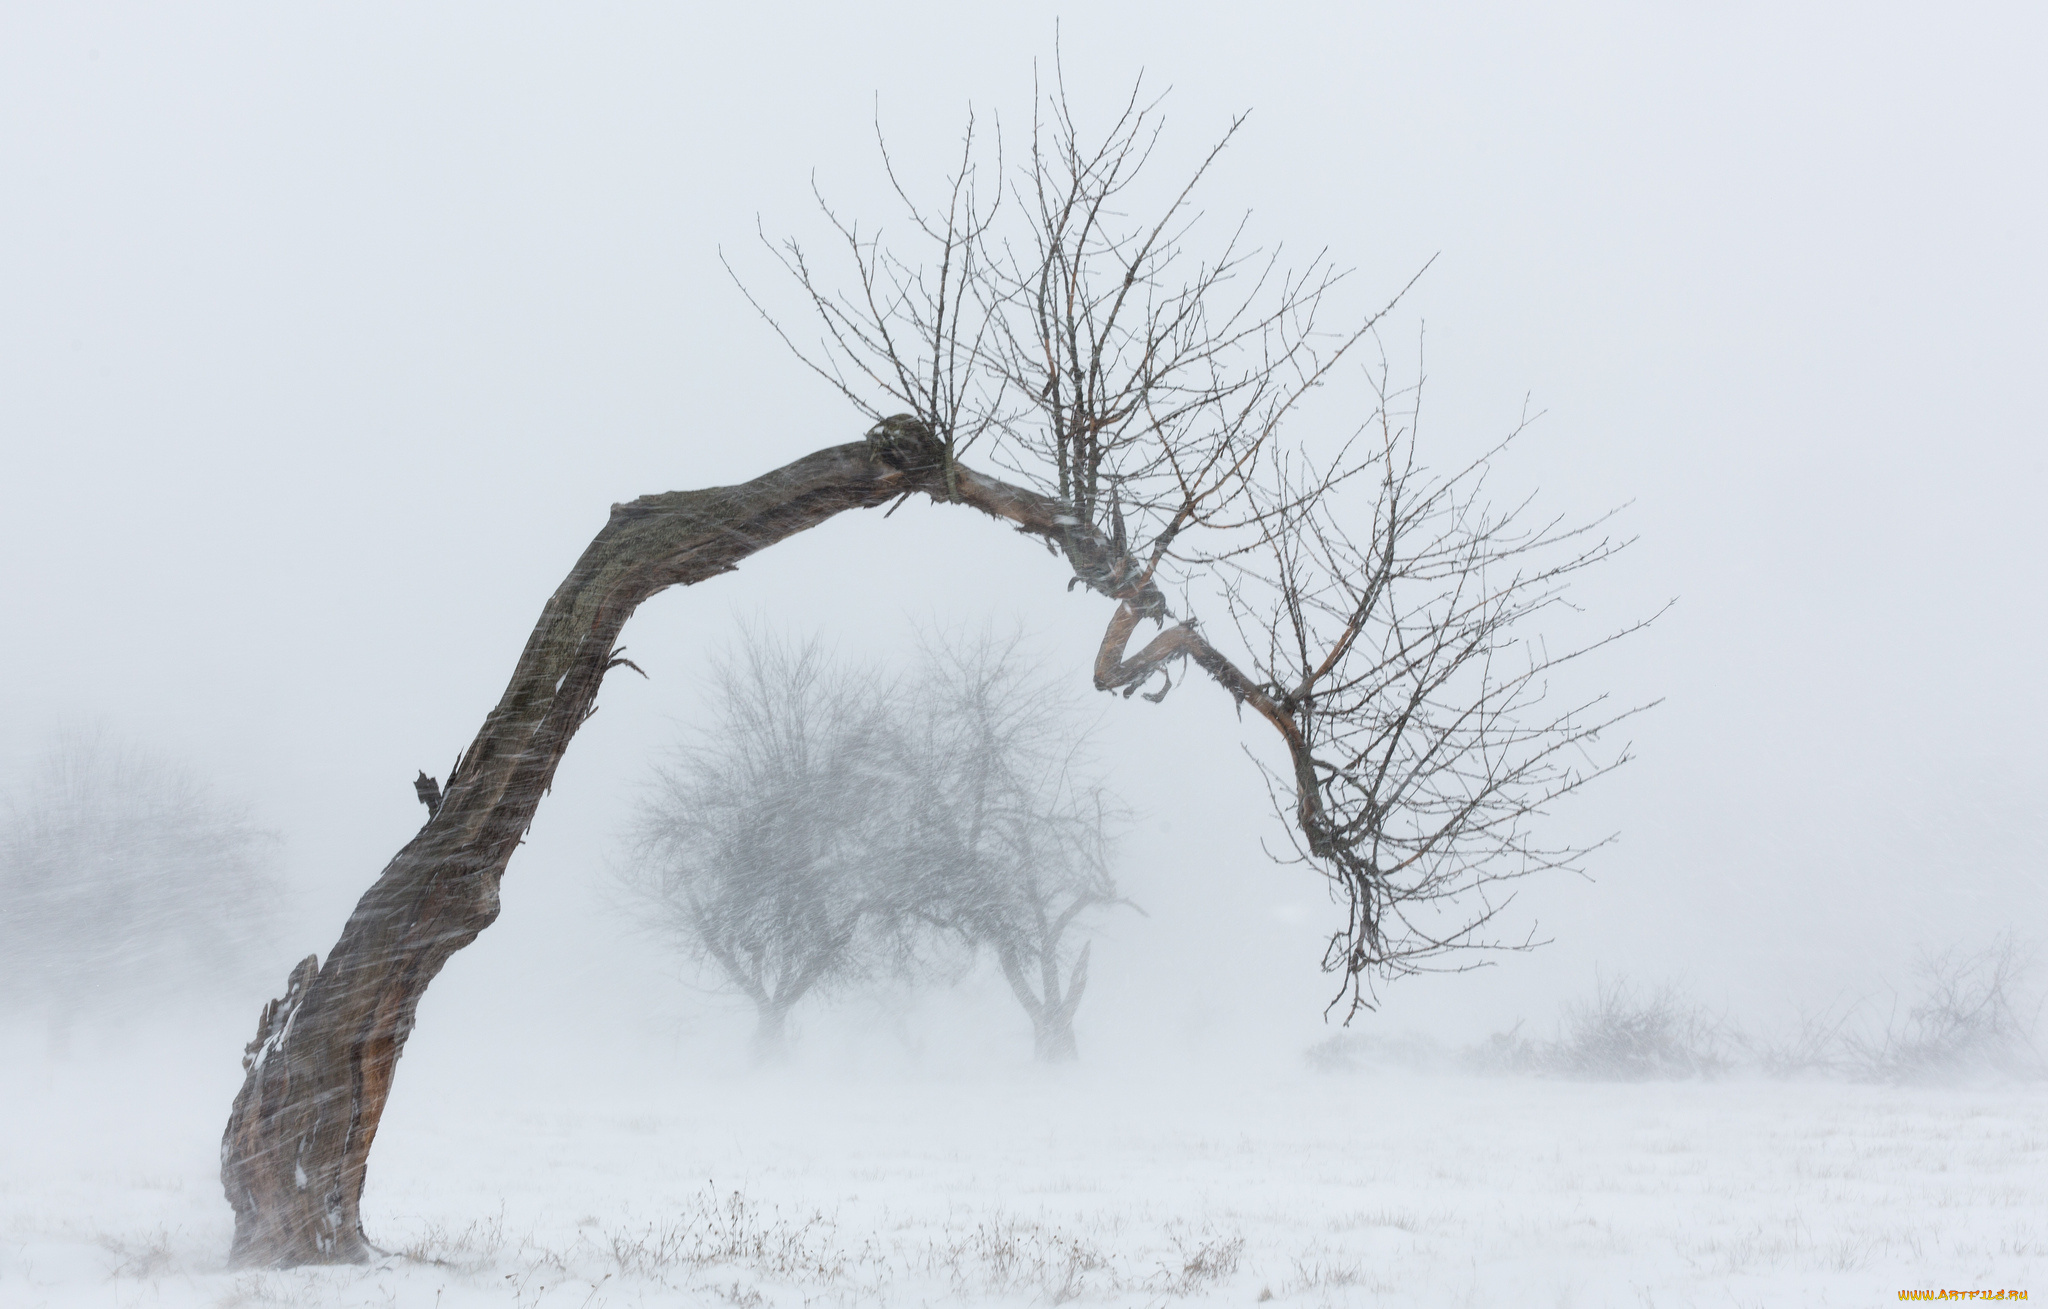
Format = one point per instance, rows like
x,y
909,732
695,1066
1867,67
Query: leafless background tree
x,y
760,851
825,827
127,885
1009,827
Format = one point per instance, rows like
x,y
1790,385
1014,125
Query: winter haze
x,y
328,338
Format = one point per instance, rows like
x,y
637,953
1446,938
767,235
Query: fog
x,y
329,336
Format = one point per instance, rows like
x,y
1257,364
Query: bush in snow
x,y
1971,1016
1972,1013
1620,1034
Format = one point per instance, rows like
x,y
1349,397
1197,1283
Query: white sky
x,y
328,336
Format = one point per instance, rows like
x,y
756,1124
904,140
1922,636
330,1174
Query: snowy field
x,y
1028,1188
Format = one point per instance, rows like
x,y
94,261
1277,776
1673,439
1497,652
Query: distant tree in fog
x,y
756,852
824,827
1007,834
125,883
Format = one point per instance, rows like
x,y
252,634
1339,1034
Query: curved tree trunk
x,y
297,1144
298,1139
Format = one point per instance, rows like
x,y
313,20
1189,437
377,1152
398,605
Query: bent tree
x,y
1139,394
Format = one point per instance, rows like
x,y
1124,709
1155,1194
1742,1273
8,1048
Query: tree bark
x,y
297,1144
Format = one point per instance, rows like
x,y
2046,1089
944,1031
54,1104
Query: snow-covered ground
x,y
1023,1187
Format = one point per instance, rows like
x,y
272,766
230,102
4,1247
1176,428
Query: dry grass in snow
x,y
1026,1189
